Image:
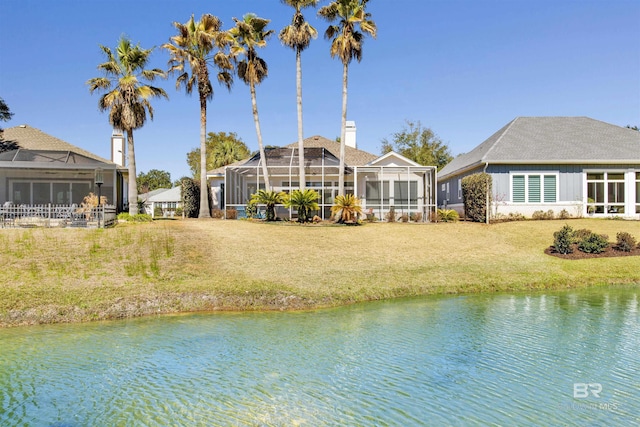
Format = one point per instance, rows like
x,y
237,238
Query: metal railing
x,y
50,215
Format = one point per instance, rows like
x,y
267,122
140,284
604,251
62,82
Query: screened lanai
x,y
382,185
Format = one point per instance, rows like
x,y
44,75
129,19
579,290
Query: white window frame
x,y
526,175
605,180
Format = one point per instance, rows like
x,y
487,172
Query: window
x,y
405,192
375,193
459,188
605,192
534,188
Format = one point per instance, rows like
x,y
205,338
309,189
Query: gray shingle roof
x,y
352,156
29,138
540,140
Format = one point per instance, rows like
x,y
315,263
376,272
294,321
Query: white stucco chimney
x,y
350,134
117,147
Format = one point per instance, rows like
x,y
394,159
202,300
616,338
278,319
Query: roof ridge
x,y
484,157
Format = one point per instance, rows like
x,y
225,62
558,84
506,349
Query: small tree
x,y
419,144
153,180
305,201
190,197
270,199
476,194
563,239
346,209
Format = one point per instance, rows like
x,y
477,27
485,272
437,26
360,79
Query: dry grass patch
x,y
169,266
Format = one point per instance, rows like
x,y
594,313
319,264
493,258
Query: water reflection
x,y
502,359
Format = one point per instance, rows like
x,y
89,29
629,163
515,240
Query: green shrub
x,y
158,212
141,218
447,215
593,243
191,197
581,233
178,211
474,195
563,239
124,216
625,242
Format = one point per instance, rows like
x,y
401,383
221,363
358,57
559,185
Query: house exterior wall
x,y
571,189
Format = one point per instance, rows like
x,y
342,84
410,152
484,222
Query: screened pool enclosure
x,y
390,183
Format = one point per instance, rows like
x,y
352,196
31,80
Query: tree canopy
x,y
5,116
419,144
222,149
153,180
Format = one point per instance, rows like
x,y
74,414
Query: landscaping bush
x,y
447,215
391,215
404,217
416,216
178,211
191,197
593,243
581,233
346,209
474,195
232,214
124,216
157,212
563,239
141,218
564,214
542,215
217,214
305,202
625,242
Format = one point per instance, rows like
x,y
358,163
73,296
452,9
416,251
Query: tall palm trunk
x,y
343,130
133,187
254,106
204,193
300,131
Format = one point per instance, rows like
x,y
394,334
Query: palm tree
x,y
249,34
269,198
346,44
346,209
197,45
297,36
126,98
304,201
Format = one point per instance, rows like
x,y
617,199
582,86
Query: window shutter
x,y
518,189
550,189
534,188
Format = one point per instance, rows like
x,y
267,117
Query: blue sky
x,y
463,68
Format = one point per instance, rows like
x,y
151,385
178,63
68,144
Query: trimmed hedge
x,y
474,195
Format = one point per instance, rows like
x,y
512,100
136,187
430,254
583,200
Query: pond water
x,y
555,358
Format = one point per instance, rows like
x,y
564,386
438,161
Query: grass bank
x,y
65,275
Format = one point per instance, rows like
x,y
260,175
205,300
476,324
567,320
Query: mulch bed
x,y
610,251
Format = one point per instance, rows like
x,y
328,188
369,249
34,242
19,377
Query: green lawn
x,y
58,275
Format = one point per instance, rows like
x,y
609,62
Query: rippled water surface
x,y
565,358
